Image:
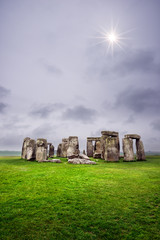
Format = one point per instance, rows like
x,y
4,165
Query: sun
x,y
111,38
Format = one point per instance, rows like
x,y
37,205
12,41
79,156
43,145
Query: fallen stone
x,y
80,161
83,156
53,160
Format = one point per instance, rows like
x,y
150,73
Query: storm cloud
x,y
80,113
44,111
139,100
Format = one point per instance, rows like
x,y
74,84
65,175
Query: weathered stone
x,y
31,150
97,149
93,138
140,151
133,136
51,150
83,156
65,145
59,150
41,149
109,133
90,148
80,161
84,152
24,148
128,149
73,148
55,160
111,149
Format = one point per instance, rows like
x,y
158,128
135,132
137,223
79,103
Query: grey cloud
x,y
3,92
45,110
2,107
139,100
80,113
133,61
53,69
156,125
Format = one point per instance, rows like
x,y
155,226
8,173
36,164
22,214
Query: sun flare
x,y
112,38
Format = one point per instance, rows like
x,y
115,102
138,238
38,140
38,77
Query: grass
x,y
64,201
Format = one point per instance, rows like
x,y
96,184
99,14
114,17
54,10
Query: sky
x,y
58,80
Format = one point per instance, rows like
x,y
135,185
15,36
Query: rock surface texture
x,y
80,161
31,150
65,145
41,150
51,150
140,151
24,148
128,149
73,148
59,150
110,148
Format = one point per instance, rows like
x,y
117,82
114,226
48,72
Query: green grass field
x,y
64,201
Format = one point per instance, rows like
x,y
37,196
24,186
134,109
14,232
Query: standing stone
x,y
51,151
65,145
128,149
73,149
24,148
97,149
41,150
84,152
59,150
111,149
31,150
140,151
90,148
106,135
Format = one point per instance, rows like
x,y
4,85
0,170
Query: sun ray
x,y
112,38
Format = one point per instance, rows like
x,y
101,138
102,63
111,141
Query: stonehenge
x,y
128,148
106,147
36,150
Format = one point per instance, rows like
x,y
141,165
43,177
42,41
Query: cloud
x,y
3,92
53,69
139,100
156,125
80,113
45,110
2,107
133,61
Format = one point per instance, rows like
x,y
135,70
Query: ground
x,y
64,201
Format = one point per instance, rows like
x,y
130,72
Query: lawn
x,y
64,201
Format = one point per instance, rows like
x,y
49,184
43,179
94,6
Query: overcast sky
x,y
56,81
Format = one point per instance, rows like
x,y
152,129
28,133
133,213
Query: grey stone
x,y
97,149
140,151
84,152
83,156
65,145
51,150
59,150
128,149
31,150
111,149
73,148
90,148
41,149
133,136
80,161
24,148
55,160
